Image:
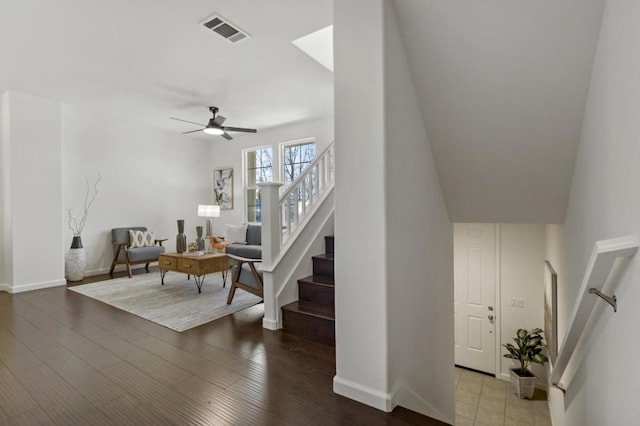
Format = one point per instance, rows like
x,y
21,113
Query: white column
x,y
360,264
32,195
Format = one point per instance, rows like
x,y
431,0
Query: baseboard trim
x,y
407,398
35,286
270,324
4,287
366,395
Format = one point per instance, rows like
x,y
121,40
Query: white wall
x,y
393,237
33,254
149,178
4,181
360,223
603,204
419,242
229,153
522,254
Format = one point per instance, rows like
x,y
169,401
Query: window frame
x,y
284,145
245,176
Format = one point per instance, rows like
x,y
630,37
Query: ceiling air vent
x,y
226,29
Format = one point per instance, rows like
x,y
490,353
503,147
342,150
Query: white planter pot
x,y
523,387
76,261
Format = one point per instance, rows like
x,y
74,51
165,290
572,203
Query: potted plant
x,y
528,349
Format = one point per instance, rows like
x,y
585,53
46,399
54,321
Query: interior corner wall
x,y
32,192
360,223
229,154
604,204
419,241
150,178
4,171
522,251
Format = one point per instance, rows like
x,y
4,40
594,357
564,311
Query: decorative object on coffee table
x,y
223,187
181,238
199,240
75,261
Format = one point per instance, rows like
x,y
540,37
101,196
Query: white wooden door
x,y
474,296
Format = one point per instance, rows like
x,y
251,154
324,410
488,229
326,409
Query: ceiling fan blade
x,y
227,136
180,119
239,129
192,131
219,120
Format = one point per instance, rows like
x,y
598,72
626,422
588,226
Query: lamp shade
x,y
205,210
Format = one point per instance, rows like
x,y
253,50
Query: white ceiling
x,y
502,84
151,59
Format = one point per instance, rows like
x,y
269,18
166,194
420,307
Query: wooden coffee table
x,y
198,266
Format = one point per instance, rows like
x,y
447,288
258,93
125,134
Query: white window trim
x,y
245,187
283,145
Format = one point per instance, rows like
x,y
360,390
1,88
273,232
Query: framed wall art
x,y
223,187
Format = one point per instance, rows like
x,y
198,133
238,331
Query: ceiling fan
x,y
215,127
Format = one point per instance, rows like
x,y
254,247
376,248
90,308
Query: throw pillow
x,y
141,238
236,234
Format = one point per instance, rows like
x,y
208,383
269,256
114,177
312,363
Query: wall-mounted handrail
x,y
604,256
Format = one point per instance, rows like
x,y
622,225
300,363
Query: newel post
x,y
271,238
269,206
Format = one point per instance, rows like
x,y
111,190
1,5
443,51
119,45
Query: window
x,y
295,157
258,168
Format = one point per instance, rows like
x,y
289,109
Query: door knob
x,y
490,317
490,308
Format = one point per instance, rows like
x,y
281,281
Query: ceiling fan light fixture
x,y
213,131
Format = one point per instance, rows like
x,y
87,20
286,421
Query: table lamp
x,y
205,210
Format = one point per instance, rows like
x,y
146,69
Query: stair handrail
x,y
320,171
605,254
301,176
287,209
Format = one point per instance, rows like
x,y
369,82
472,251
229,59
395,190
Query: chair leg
x,y
232,292
113,265
129,270
146,267
234,280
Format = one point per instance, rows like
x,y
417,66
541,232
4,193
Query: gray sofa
x,y
253,248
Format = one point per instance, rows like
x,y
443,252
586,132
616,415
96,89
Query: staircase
x,y
312,316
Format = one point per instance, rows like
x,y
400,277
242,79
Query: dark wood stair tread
x,y
318,280
311,309
326,256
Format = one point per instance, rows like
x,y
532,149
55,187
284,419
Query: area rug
x,y
176,304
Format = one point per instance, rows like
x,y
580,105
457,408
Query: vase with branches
x,y
75,261
77,226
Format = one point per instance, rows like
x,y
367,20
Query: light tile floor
x,y
487,401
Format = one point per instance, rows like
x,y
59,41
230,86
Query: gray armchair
x,y
244,272
123,254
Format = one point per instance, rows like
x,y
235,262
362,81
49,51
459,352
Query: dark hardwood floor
x,y
68,359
